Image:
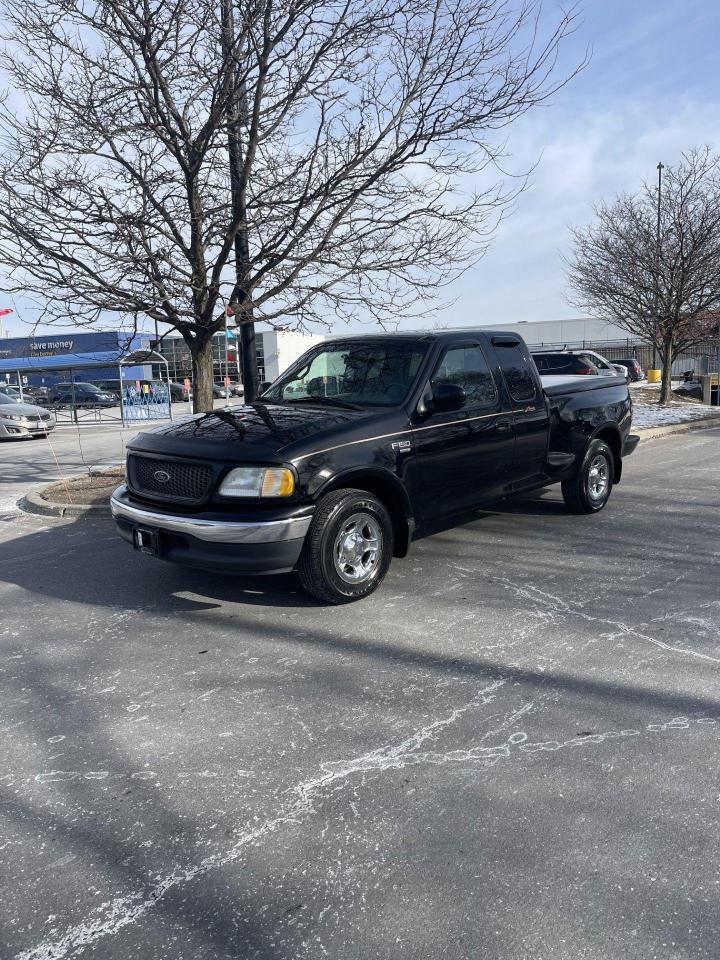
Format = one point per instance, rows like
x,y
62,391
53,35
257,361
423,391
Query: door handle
x,y
503,426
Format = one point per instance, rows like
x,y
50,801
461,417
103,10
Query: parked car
x,y
633,367
80,395
37,395
553,363
12,392
332,477
220,392
111,387
178,392
22,420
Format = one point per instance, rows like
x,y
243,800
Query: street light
x,y
660,168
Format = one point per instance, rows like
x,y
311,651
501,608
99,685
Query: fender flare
x,y
385,485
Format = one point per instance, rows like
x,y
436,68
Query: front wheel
x,y
589,490
348,548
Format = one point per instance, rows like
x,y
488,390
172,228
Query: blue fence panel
x,y
146,401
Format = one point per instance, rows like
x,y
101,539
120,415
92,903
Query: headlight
x,y
258,482
12,416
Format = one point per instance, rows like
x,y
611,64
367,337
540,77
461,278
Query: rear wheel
x,y
589,490
348,548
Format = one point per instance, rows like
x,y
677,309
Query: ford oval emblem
x,y
162,476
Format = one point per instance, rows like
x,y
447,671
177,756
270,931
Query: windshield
x,y
4,398
367,373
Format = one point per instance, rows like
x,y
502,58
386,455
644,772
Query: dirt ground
x,y
87,489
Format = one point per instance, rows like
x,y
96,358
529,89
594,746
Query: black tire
x,y
589,490
320,567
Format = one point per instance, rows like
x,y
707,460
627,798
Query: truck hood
x,y
258,431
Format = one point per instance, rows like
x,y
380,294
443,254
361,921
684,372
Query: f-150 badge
x,y
402,446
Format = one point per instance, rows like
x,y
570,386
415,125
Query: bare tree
x,y
663,292
354,128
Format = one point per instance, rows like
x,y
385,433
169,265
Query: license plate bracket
x,y
147,540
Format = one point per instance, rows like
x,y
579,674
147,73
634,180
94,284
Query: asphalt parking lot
x,y
509,752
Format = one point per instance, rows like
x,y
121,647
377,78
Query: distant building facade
x,y
579,331
611,341
276,350
62,350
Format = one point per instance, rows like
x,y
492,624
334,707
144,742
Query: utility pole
x,y
237,115
660,168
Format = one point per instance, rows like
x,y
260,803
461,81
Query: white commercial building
x,y
276,350
557,333
280,348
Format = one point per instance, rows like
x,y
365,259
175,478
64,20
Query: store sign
x,y
54,346
50,348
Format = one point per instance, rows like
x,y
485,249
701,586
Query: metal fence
x,y
702,358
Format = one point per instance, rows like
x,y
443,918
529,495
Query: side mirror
x,y
447,396
264,385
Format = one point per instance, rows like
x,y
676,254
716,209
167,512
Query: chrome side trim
x,y
454,423
213,531
398,433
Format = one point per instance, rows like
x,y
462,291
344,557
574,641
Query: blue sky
x,y
650,91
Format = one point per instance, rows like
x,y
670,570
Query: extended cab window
x,y
516,370
467,367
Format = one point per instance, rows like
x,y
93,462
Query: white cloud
x,y
584,158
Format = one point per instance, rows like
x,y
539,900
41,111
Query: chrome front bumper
x,y
211,531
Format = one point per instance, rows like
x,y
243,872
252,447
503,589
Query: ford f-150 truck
x,y
360,447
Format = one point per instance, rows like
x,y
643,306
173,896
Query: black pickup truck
x,y
362,446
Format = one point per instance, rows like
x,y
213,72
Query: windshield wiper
x,y
333,400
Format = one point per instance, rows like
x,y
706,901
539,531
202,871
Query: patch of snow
x,y
648,415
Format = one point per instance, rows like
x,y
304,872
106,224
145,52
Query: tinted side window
x,y
467,367
516,370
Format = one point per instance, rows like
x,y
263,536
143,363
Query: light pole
x,y
237,113
660,168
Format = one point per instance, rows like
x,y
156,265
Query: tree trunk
x,y
667,359
202,364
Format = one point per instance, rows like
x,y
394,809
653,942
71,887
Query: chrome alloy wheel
x,y
357,548
598,479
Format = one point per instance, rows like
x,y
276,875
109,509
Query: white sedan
x,y
22,420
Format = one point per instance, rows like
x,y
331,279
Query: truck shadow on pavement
x,y
85,562
76,540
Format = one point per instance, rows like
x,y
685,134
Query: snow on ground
x,y
648,414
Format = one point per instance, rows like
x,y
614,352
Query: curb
x,y
657,433
32,502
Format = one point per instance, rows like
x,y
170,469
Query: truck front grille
x,y
169,479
